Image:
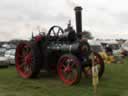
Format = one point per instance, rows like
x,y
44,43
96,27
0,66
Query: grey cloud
x,y
19,17
122,17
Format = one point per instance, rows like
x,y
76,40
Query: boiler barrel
x,y
64,48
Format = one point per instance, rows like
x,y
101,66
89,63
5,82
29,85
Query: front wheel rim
x,y
68,72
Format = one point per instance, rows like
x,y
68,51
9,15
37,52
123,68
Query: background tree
x,y
87,34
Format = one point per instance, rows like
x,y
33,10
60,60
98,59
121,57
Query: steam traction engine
x,y
64,51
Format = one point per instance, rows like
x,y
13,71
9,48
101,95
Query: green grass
x,y
113,83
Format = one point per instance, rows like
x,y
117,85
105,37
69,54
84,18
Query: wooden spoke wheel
x,y
69,69
28,60
24,60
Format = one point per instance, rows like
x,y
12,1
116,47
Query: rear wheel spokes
x,y
25,51
22,57
22,65
27,68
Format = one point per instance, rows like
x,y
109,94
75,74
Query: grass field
x,y
113,83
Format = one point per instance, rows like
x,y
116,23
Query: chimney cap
x,y
78,8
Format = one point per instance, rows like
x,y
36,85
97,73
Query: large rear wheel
x,y
69,69
28,59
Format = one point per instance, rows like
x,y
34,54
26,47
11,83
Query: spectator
x,y
108,50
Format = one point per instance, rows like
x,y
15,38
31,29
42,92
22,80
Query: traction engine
x,y
66,52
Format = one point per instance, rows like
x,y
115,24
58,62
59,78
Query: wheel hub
x,y
68,69
28,59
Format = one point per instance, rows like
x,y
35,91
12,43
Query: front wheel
x,y
69,69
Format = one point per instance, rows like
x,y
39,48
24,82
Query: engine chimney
x,y
78,14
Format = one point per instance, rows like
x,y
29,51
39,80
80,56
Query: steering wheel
x,y
54,32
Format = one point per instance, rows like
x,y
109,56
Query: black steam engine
x,y
66,52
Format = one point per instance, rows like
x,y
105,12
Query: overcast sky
x,y
103,18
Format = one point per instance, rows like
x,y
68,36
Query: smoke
x,y
73,3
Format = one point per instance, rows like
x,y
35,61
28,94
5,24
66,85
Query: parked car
x,y
2,58
2,51
10,55
3,61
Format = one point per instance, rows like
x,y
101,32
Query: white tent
x,y
125,45
109,42
94,42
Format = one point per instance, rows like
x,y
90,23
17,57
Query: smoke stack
x,y
78,15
